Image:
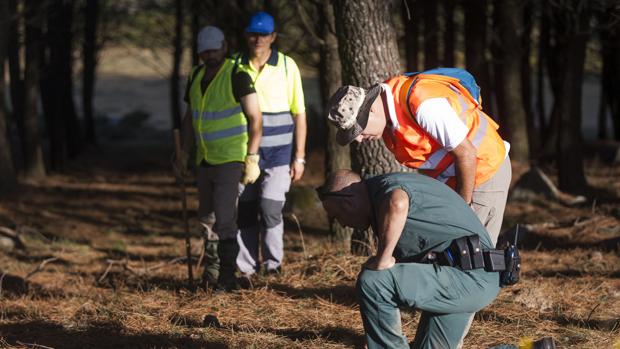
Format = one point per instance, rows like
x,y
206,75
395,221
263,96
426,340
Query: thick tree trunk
x,y
572,38
449,33
15,71
336,156
33,153
7,172
431,35
174,77
410,15
368,52
476,43
508,51
89,49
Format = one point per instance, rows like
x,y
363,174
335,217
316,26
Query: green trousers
x,y
446,296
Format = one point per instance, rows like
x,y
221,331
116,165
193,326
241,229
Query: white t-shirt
x,y
438,119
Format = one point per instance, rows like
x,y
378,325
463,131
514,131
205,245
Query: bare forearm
x,y
395,210
301,129
255,131
251,109
465,170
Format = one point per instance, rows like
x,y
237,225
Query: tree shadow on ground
x,y
341,294
100,335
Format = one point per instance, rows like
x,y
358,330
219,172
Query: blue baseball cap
x,y
261,22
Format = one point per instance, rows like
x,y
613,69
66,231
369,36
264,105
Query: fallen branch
x,y
33,345
40,267
301,235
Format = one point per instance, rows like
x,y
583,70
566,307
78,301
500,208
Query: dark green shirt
x,y
437,214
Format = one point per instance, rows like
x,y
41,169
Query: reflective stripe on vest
x,y
422,151
220,127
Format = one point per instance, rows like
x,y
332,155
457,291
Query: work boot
x,y
227,251
211,270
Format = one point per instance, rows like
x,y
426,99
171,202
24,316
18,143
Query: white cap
x,y
209,38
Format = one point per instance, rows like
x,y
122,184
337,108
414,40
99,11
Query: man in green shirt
x,y
414,217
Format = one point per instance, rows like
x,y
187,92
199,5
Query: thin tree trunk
x,y
410,13
431,35
526,74
195,28
7,172
33,153
368,53
543,40
476,43
449,34
15,71
605,84
336,156
508,51
174,77
613,90
89,49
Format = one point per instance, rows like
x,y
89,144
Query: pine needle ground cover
x,y
103,267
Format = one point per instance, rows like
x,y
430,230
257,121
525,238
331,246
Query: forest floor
x,y
103,267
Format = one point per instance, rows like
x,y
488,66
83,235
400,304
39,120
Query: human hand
x,y
297,169
251,171
376,263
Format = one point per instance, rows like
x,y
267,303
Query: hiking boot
x,y
271,272
211,270
227,251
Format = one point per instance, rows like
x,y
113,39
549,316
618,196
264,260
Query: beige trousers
x,y
489,203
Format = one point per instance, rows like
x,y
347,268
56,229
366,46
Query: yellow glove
x,y
252,171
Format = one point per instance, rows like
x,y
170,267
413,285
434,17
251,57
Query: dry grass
x,y
112,224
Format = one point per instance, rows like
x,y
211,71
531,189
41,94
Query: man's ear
x,y
274,36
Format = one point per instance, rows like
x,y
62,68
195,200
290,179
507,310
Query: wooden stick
x,y
188,243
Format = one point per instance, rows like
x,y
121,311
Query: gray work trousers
x,y
260,212
218,191
446,296
489,203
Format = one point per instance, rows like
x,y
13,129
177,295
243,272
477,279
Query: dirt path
x,y
107,237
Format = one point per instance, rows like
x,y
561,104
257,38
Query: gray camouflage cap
x,y
348,110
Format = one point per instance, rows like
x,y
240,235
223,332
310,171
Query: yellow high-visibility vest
x,y
220,127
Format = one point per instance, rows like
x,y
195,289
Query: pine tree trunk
x,y
368,52
526,74
476,43
33,153
431,35
613,90
174,77
7,172
543,40
449,34
572,39
89,49
336,156
195,28
410,15
15,71
508,51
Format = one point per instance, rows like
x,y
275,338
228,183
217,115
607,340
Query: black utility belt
x,y
465,253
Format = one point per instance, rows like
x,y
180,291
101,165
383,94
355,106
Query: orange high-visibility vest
x,y
415,148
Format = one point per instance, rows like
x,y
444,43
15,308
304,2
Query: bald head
x,y
345,198
340,180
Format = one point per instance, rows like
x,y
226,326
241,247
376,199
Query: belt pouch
x,y
494,260
475,251
460,251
